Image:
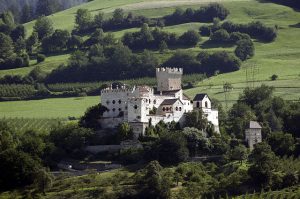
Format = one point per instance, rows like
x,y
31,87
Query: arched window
x,y
113,101
120,109
206,105
176,108
167,109
135,106
179,108
163,109
154,102
107,102
113,109
120,101
198,104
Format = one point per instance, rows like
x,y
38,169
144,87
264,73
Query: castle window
x,y
176,108
120,101
126,107
167,109
113,109
113,101
138,117
179,108
170,108
198,104
149,101
107,102
154,102
206,105
120,109
163,109
135,106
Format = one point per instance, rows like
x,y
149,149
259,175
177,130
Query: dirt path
x,y
170,3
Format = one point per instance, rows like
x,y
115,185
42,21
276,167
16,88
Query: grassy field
x,y
48,108
281,57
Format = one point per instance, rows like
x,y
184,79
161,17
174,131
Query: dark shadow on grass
x,y
297,25
213,44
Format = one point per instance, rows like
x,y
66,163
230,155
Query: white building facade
x,y
142,106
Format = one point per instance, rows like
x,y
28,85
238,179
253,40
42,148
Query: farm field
x,y
48,108
281,57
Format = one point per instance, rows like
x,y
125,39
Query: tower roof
x,y
254,125
200,96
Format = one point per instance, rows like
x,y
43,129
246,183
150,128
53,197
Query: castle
x,y
142,106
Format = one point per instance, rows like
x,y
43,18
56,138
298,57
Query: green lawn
x,y
48,108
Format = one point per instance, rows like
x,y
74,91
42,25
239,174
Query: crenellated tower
x,y
168,79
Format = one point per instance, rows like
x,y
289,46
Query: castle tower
x,y
168,79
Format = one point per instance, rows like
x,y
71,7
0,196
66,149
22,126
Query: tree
x,y
118,16
91,117
17,169
190,38
220,36
254,96
274,77
32,41
74,42
43,180
163,47
99,20
43,27
282,143
32,143
47,7
264,163
172,149
27,13
245,49
56,42
196,119
18,32
70,138
125,131
6,49
40,58
238,153
83,20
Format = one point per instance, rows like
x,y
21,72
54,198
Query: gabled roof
x,y
254,125
170,101
200,96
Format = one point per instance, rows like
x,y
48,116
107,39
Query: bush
x,y
244,49
40,58
220,36
190,38
274,77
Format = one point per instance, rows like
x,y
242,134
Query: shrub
x,y
274,77
220,36
244,49
190,38
40,58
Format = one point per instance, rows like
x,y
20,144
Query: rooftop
x,y
199,97
254,125
169,101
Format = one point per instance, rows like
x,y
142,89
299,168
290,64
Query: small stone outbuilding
x,y
253,134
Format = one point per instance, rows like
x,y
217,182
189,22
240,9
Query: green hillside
x,y
281,57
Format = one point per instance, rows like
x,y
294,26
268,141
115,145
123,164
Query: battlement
x,y
116,90
170,70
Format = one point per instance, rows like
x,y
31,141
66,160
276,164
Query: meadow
x,y
48,108
281,57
